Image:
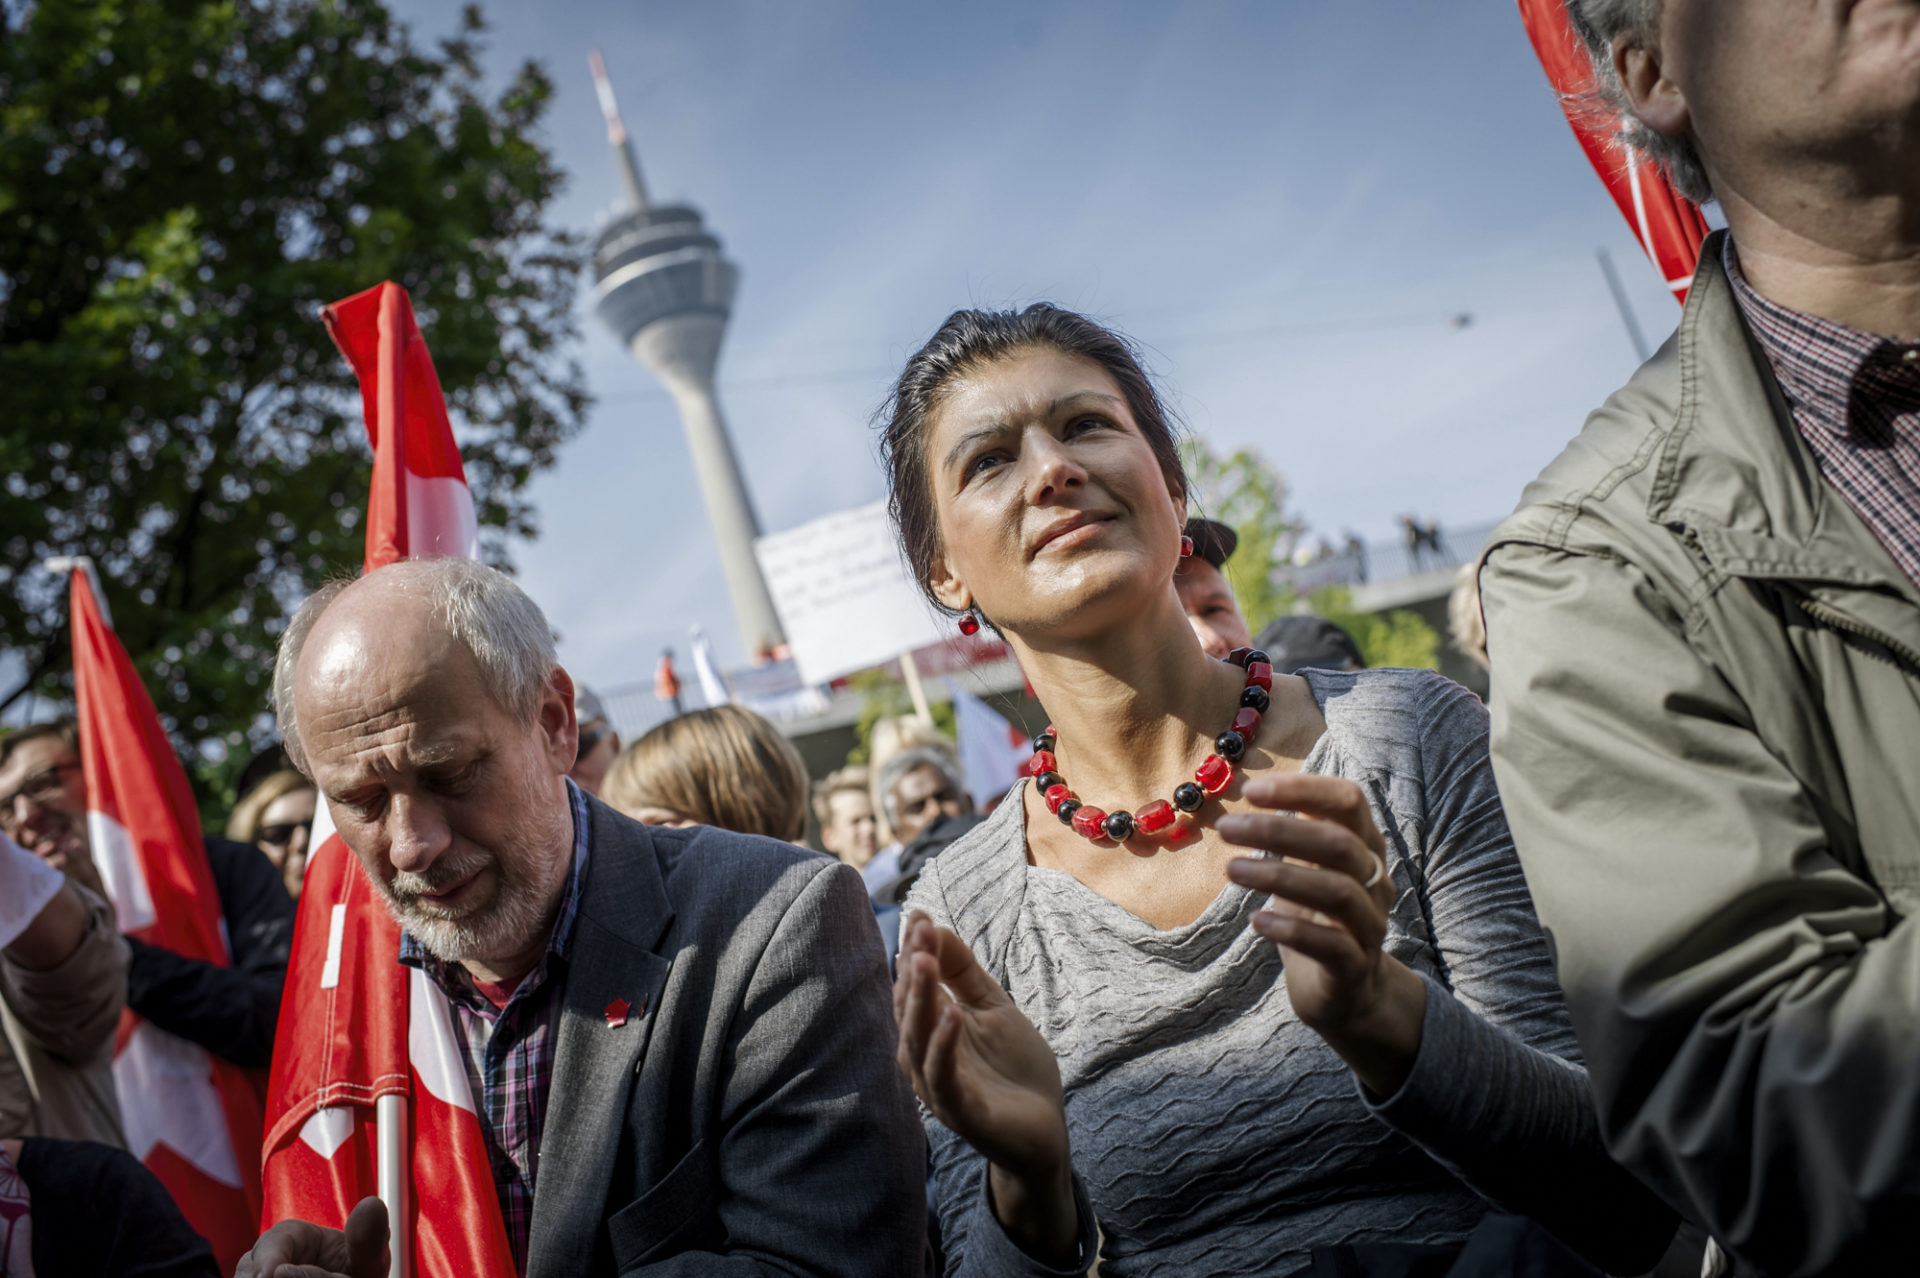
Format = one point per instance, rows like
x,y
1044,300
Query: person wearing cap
x,y
1304,642
1208,600
599,742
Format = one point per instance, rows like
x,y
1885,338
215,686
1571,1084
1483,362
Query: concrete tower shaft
x,y
663,287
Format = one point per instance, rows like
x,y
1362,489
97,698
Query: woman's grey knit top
x,y
1212,1132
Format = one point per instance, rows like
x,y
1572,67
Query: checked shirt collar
x,y
1855,399
452,978
509,1050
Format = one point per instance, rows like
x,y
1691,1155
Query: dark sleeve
x,y
822,1165
230,1011
1497,1093
96,1210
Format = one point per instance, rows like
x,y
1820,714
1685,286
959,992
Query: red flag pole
x,y
393,1157
393,399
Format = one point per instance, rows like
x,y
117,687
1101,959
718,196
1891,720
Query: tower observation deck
x,y
663,287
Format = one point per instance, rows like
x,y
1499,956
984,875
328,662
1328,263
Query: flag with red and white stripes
x,y
366,1051
1668,225
193,1119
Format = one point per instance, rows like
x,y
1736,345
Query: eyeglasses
x,y
41,786
281,835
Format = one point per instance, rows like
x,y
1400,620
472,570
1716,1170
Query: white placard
x,y
844,594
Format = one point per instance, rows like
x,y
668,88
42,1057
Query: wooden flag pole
x,y
911,673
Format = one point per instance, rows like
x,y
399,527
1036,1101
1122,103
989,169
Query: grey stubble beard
x,y
519,908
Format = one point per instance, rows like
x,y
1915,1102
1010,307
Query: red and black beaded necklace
x,y
1158,817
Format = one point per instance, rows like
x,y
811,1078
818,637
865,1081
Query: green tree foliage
x,y
183,183
1397,638
883,695
1245,492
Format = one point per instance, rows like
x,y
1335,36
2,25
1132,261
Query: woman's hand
x,y
1331,894
986,1072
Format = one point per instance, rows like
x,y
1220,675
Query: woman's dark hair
x,y
966,341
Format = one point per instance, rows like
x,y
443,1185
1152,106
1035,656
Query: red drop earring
x,y
1186,547
969,624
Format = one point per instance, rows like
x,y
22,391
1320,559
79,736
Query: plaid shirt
x,y
1856,399
509,1049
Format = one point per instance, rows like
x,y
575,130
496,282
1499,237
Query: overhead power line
x,y
1232,335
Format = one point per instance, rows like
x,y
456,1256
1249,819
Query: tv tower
x,y
664,289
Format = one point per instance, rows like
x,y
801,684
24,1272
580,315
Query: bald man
x,y
744,1114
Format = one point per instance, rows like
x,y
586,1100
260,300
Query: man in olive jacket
x,y
1705,632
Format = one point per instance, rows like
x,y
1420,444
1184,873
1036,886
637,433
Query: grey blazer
x,y
747,1117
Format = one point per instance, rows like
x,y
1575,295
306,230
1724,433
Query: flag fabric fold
x,y
193,1119
1669,226
419,504
706,667
355,1026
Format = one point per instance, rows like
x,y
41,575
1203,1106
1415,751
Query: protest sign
x,y
844,594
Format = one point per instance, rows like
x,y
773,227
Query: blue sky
x,y
1284,202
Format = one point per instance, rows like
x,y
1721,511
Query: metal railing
x,y
1388,559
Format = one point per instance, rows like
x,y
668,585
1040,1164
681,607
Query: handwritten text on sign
x,y
844,594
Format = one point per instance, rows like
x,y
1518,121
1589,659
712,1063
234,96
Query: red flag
x,y
193,1119
1668,225
359,1034
420,505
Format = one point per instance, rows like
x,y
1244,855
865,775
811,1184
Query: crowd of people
x,y
1271,963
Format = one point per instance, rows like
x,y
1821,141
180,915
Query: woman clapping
x,y
1250,967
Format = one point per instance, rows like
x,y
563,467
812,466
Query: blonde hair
x,y
244,824
725,766
847,780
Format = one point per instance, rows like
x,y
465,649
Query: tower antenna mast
x,y
663,286
617,134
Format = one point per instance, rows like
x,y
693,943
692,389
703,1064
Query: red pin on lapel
x,y
617,1013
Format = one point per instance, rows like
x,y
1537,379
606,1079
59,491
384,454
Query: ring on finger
x,y
1379,870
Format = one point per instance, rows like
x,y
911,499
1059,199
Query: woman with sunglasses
x,y
276,816
1249,967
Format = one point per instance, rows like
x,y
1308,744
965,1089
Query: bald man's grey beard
x,y
507,924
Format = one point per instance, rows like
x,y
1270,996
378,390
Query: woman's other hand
x,y
1326,872
986,1072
